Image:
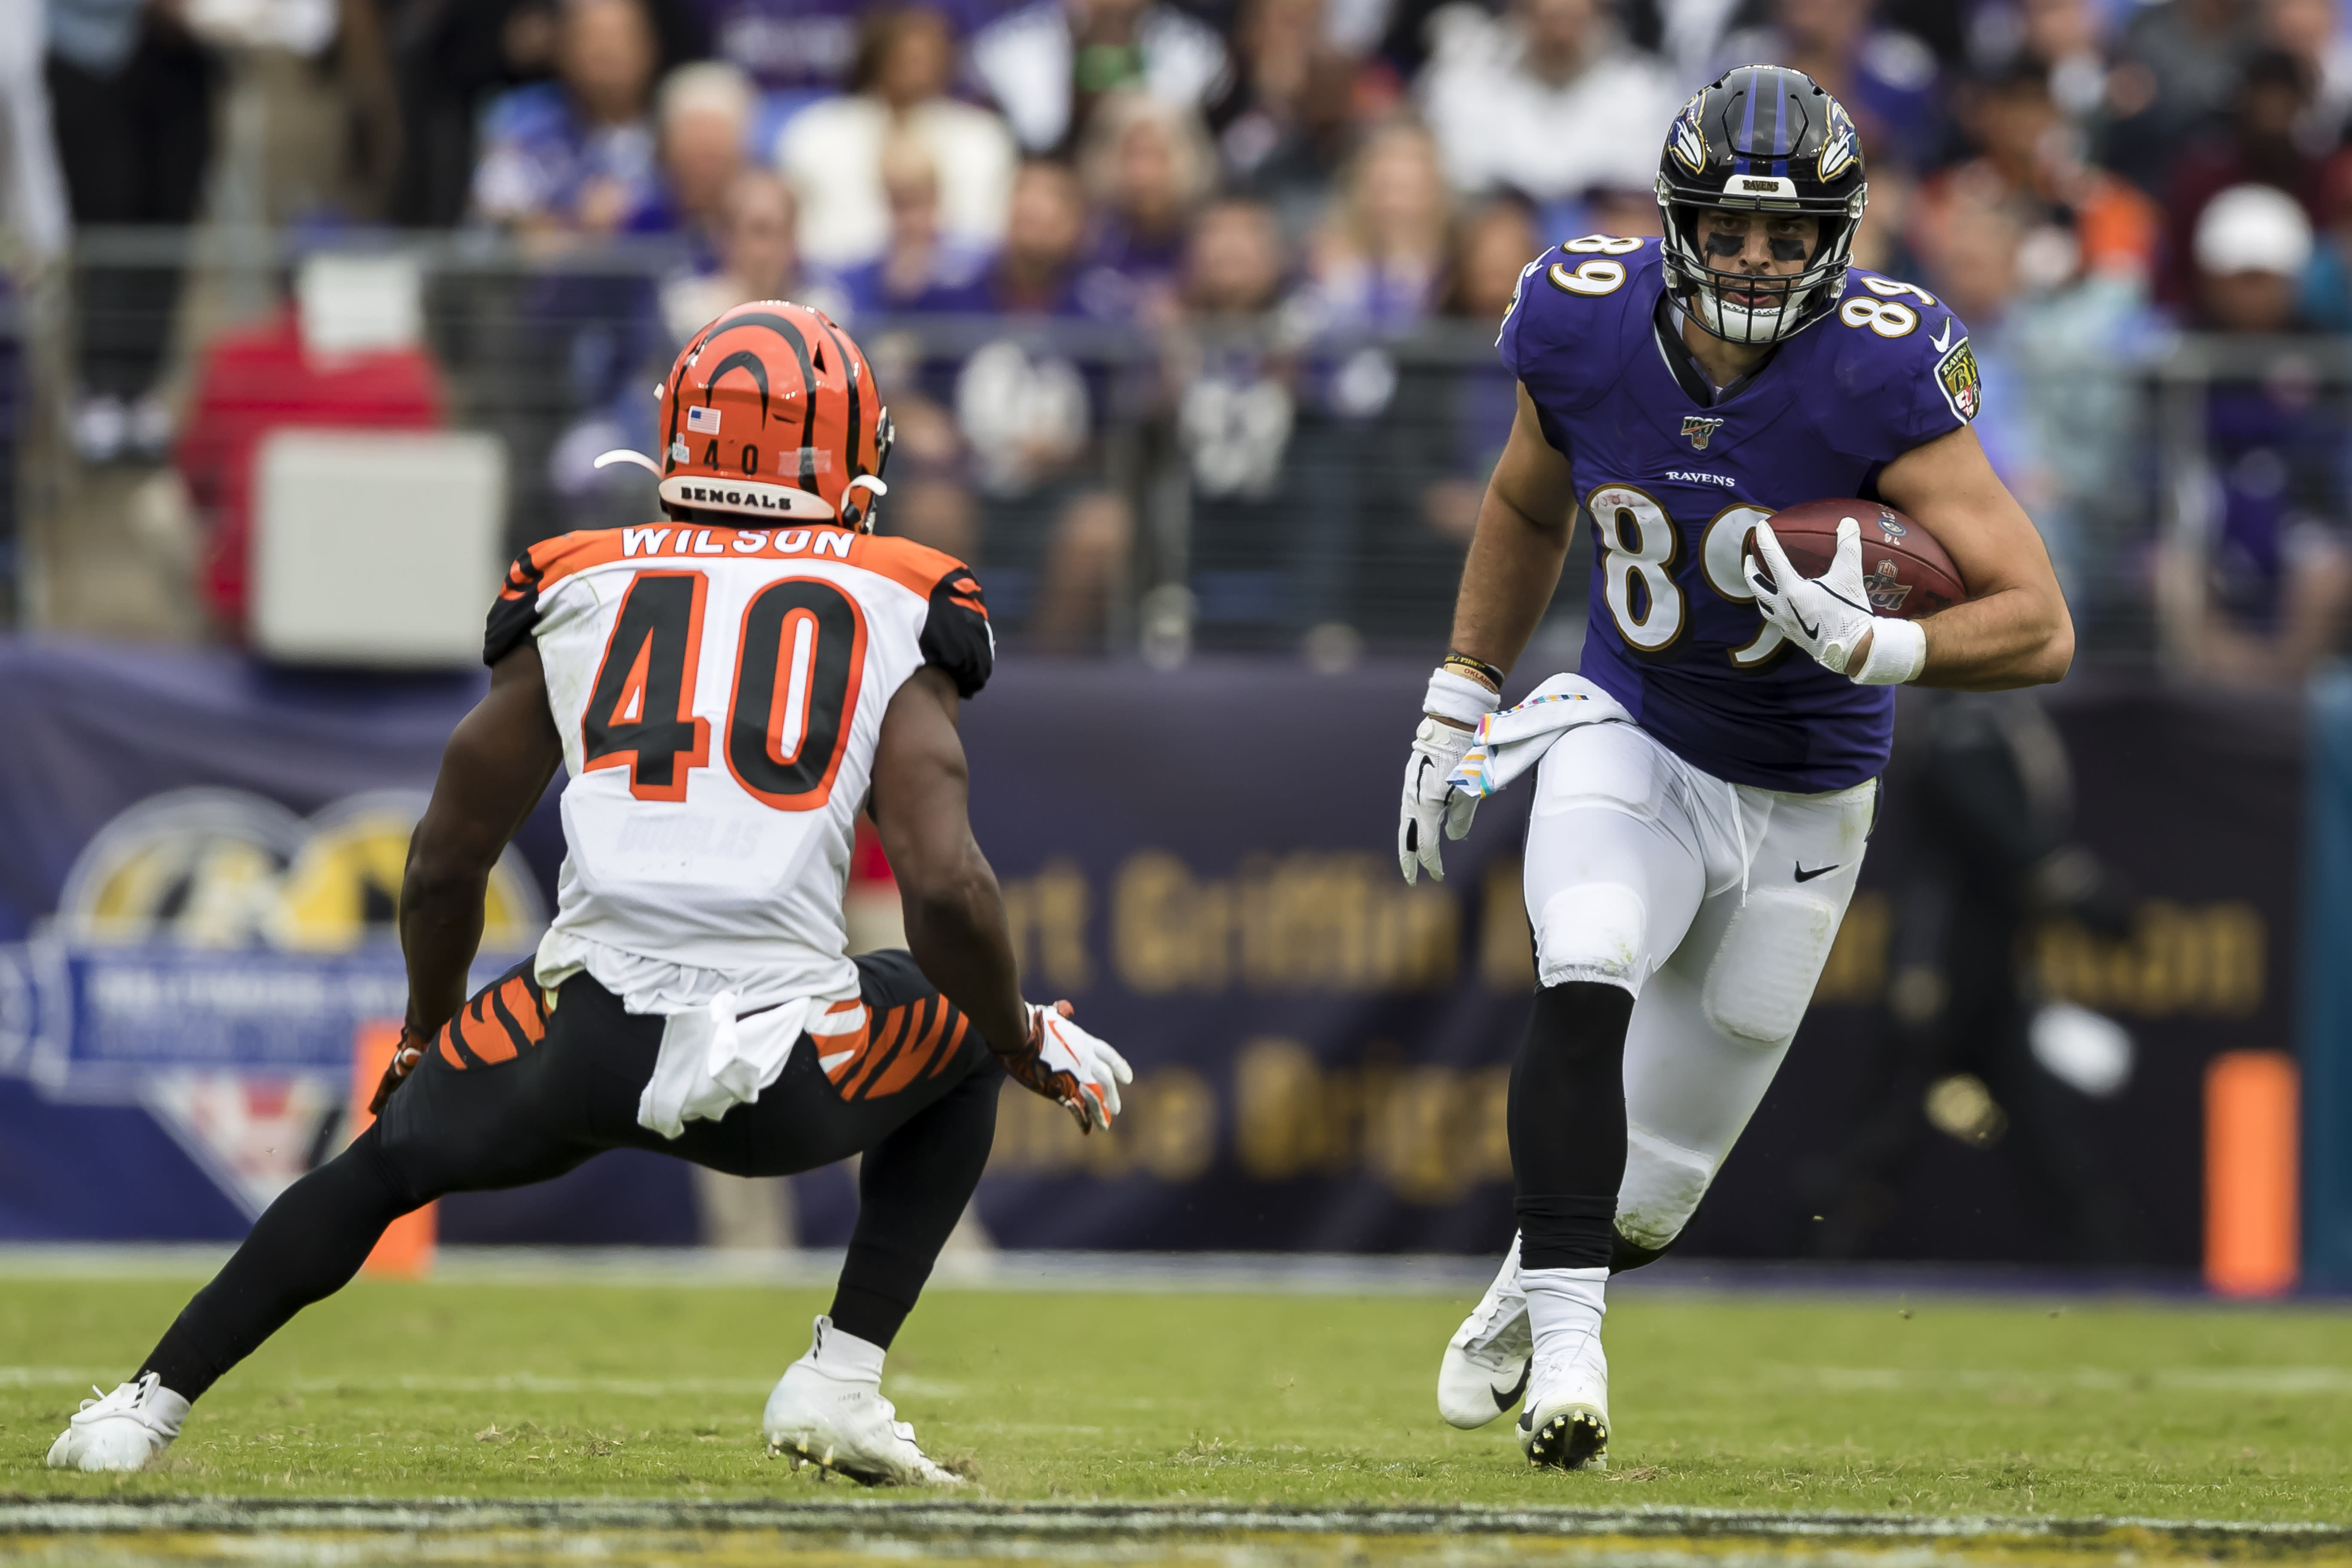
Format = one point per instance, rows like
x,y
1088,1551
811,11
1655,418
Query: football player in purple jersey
x,y
1706,784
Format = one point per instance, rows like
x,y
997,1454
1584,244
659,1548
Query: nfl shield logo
x,y
1700,429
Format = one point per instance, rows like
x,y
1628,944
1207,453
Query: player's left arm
x,y
2014,630
493,770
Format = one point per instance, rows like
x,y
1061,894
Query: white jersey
x,y
720,693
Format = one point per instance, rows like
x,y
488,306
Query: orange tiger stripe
x,y
910,1015
914,1058
948,1052
524,1009
491,1041
457,1033
449,1053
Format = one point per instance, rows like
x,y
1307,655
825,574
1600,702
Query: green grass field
x,y
1944,1405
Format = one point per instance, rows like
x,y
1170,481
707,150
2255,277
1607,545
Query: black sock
x,y
306,1247
1568,1125
911,1189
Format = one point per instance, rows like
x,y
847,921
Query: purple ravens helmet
x,y
1764,139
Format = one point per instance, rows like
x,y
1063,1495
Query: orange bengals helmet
x,y
771,410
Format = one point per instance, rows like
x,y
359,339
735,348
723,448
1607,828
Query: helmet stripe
x,y
1779,124
742,358
850,371
784,328
1748,132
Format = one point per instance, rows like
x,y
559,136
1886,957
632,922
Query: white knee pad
x,y
1764,969
1594,932
1663,1185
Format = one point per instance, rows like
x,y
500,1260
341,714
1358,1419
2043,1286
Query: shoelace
x,y
139,1392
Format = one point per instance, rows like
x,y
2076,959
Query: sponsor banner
x,y
198,862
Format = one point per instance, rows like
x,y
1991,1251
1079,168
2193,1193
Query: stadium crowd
x,y
1093,241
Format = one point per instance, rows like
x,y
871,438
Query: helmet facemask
x,y
1779,306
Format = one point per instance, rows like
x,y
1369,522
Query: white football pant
x,y
1715,904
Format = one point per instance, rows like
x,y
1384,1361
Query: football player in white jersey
x,y
726,689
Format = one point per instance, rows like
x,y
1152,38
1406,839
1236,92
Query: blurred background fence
x,y
1258,482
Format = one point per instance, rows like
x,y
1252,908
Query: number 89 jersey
x,y
1674,477
720,694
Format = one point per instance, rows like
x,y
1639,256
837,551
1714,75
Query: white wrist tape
x,y
1459,698
1898,652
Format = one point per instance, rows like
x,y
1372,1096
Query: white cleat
x,y
842,1424
1566,1422
125,1430
1485,1365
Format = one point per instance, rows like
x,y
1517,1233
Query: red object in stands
x,y
258,379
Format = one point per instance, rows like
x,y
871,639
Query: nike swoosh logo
x,y
1504,1401
1805,875
1809,631
1944,339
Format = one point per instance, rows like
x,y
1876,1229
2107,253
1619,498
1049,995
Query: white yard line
x,y
985,1520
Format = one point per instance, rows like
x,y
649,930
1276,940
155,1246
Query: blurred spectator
x,y
919,269
2177,70
131,97
576,155
1147,163
757,258
2258,146
1048,63
2066,39
2257,580
706,111
322,360
1438,441
934,512
1626,211
2312,33
32,191
449,62
1885,78
1249,554
1054,542
1283,128
1024,408
832,152
1973,256
1546,101
2074,217
1377,263
803,51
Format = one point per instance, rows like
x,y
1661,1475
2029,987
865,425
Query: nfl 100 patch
x,y
1955,373
1700,429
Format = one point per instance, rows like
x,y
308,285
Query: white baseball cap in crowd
x,y
2253,228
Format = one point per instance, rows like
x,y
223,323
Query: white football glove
x,y
1438,748
1829,615
1069,1066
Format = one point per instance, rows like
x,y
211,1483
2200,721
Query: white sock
x,y
1565,1307
845,1356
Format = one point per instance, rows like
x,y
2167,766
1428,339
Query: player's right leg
x,y
476,1113
1616,867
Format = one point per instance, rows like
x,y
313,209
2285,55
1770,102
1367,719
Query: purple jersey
x,y
1674,482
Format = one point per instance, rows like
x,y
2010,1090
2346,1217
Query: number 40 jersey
x,y
1674,477
720,693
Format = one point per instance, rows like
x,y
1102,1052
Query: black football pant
x,y
523,1086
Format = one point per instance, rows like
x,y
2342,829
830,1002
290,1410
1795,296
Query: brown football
x,y
1906,571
